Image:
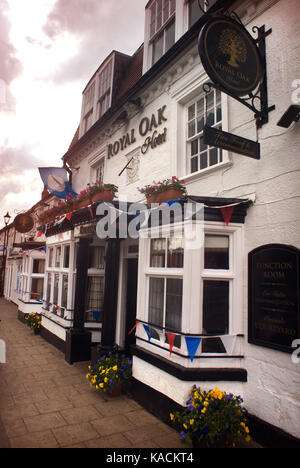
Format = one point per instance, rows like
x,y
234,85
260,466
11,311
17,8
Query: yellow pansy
x,y
171,416
101,385
192,421
185,426
115,368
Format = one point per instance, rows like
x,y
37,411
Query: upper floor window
x,y
104,88
88,104
162,27
203,111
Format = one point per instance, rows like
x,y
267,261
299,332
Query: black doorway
x,y
132,277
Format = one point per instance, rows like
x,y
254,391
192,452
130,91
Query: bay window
x,y
59,278
191,291
31,282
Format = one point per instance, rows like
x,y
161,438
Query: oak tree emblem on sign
x,y
232,45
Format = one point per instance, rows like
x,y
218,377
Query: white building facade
x,y
189,306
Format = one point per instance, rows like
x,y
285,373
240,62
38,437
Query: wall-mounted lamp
x,y
292,114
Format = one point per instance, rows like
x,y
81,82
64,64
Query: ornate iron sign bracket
x,y
256,100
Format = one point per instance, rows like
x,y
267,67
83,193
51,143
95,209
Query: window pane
x,y
158,253
216,252
215,307
156,303
51,257
97,257
194,165
57,257
66,256
158,46
203,160
191,129
55,291
174,307
170,35
49,282
191,112
37,288
38,266
95,297
64,294
213,156
175,252
194,147
158,14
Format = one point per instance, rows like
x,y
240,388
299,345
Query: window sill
x,y
200,174
233,374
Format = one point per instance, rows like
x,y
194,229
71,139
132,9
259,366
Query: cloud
x,y
99,26
20,183
10,66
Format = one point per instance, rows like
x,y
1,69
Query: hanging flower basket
x,y
105,195
167,190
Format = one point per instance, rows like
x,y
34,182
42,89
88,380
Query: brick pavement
x,y
46,403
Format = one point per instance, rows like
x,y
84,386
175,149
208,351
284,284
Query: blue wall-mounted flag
x,y
56,181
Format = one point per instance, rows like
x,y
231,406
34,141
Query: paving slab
x,y
47,403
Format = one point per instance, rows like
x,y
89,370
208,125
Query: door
x,y
132,276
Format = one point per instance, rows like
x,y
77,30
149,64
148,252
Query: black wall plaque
x,y
228,141
230,56
273,283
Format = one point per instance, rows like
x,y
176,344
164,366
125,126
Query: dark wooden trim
x,y
191,374
110,302
81,282
270,436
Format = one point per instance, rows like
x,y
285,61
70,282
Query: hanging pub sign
x,y
274,288
23,223
230,56
228,141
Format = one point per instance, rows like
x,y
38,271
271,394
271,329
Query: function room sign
x,y
274,314
230,56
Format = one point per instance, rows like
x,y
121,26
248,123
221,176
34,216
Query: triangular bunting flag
x,y
69,216
147,330
228,342
91,211
192,344
133,328
227,213
96,315
39,234
171,338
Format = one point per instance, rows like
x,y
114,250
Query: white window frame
x,y
96,272
60,270
193,274
27,275
183,92
104,92
100,159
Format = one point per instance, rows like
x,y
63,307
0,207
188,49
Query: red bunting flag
x,y
39,234
171,338
133,327
91,211
227,213
69,216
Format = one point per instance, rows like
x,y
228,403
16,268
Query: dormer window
x,y
162,27
104,88
88,107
